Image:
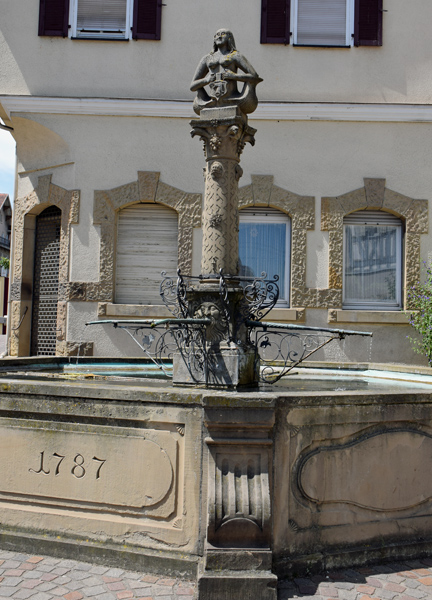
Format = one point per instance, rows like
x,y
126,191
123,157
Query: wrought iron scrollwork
x,y
261,295
173,294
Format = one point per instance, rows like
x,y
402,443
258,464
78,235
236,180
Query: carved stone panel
x,y
90,467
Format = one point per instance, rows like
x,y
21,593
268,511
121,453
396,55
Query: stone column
x,y
224,132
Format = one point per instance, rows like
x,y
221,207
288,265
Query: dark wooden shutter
x,y
275,21
368,23
54,17
147,20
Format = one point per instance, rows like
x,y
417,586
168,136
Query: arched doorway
x,y
46,282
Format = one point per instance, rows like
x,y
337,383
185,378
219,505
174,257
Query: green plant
x,y
420,303
4,262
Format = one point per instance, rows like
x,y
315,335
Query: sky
x,y
7,163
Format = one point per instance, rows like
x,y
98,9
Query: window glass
x,y
372,261
264,241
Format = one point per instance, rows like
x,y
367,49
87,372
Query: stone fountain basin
x,y
329,467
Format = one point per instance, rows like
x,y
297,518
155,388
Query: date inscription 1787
x,y
78,469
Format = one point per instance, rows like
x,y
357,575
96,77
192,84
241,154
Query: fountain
x,y
216,477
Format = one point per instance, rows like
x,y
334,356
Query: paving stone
x,y
150,578
61,580
104,596
395,578
418,593
114,573
98,570
75,585
11,564
125,594
59,591
30,583
366,589
412,583
93,591
116,586
426,580
394,587
46,567
42,596
73,596
26,566
46,586
385,594
23,594
374,581
133,585
35,559
48,577
6,592
344,585
13,572
10,581
81,566
132,575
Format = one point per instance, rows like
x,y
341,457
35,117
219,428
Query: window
x,y
264,246
372,271
147,244
322,22
101,19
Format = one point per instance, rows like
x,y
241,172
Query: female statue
x,y
219,71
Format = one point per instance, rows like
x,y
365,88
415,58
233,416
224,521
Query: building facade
x,y
334,196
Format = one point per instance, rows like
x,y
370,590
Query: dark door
x,y
46,282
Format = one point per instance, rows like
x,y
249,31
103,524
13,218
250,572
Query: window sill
x,y
146,311
100,39
368,316
149,311
284,315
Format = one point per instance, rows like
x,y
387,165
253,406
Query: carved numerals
x,y
77,466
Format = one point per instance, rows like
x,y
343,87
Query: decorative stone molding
x,y
263,193
375,196
182,109
44,195
107,203
239,478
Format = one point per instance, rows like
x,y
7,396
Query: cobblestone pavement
x,y
409,580
24,576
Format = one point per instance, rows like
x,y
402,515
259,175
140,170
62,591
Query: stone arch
x,y
26,210
147,189
374,196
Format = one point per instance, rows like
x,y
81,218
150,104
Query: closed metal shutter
x,y
147,243
46,281
322,22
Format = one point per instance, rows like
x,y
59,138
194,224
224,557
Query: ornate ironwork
x,y
279,352
173,294
198,327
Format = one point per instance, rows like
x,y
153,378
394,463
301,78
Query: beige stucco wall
x,y
311,159
396,72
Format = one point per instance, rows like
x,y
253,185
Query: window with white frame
x,y
264,246
372,270
101,18
323,22
147,244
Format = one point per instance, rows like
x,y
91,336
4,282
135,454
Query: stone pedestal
x,y
238,557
